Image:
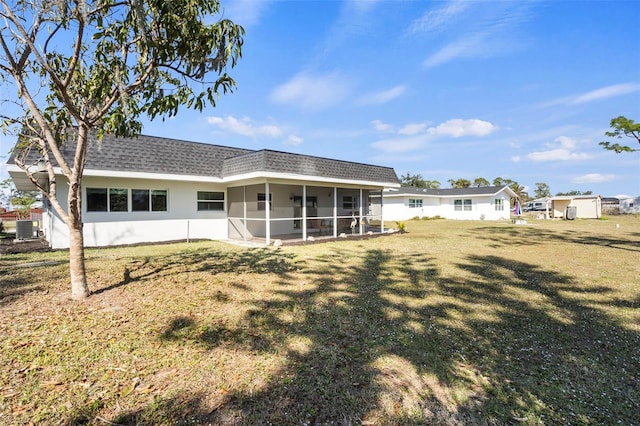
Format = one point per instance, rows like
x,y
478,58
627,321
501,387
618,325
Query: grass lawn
x,y
453,322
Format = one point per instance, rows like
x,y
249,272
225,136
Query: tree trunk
x,y
77,272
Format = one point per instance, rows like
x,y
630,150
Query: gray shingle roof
x,y
151,154
483,190
306,165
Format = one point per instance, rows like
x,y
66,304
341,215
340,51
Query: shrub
x,y
402,227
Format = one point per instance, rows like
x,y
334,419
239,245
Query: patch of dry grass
x,y
449,323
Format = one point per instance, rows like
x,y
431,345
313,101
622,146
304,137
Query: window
x,y
262,200
462,205
158,200
415,203
210,201
499,205
144,200
348,202
140,200
117,200
96,199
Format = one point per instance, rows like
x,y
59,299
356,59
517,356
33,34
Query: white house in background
x,y
630,205
483,203
582,206
151,189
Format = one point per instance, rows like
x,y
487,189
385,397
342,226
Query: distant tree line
x,y
542,189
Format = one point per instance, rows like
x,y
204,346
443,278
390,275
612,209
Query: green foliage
x,y
417,181
480,182
622,126
542,190
459,183
574,192
402,227
128,59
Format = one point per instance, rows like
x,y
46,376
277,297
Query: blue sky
x,y
518,89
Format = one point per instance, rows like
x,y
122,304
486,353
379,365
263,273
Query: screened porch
x,y
266,212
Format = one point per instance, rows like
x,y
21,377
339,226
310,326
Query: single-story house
x,y
576,206
630,205
151,189
488,203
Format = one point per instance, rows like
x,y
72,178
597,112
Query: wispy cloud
x,y
401,144
313,92
439,18
382,97
593,178
245,12
293,140
479,30
245,126
563,148
412,129
381,126
595,95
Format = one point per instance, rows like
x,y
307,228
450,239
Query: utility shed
x,y
586,206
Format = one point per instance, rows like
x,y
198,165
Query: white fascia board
x,y
153,176
304,178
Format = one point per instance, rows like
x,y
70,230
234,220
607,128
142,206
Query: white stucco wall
x,y
397,208
181,221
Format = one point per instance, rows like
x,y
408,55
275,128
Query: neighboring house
x,y
151,189
583,206
630,205
488,203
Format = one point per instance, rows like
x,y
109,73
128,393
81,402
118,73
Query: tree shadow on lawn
x,y
393,341
260,261
522,236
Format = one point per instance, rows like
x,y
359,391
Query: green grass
x,y
452,322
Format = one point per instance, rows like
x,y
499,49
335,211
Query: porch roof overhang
x,y
286,178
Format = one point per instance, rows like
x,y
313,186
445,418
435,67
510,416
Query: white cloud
x,y
293,140
566,142
381,127
557,155
593,178
459,127
383,96
562,149
595,95
312,92
412,129
245,127
516,159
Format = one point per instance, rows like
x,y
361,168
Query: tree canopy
x,y
622,126
102,66
542,190
417,181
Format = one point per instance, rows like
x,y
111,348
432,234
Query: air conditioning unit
x,y
24,229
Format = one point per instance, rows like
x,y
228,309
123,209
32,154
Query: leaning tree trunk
x,y
77,271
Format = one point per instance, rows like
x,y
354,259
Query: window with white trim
x,y
210,201
117,200
499,204
145,200
415,203
462,205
